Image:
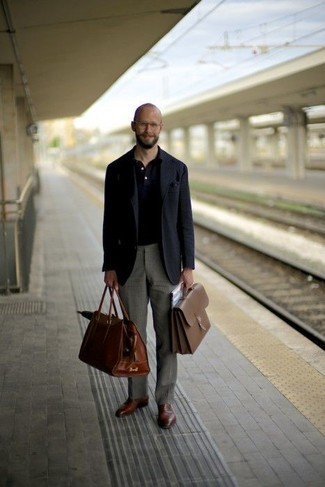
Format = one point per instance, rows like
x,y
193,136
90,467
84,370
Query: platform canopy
x,y
295,84
68,53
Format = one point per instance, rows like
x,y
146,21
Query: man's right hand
x,y
110,279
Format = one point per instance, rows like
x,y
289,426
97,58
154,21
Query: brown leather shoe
x,y
166,416
131,405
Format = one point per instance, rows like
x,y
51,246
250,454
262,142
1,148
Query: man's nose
x,y
148,128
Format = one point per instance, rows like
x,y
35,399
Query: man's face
x,y
147,127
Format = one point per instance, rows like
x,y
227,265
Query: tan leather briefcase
x,y
189,320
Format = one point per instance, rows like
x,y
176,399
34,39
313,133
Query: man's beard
x,y
145,145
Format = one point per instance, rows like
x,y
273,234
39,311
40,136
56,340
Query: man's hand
x,y
110,279
187,278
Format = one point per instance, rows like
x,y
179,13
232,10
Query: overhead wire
x,y
255,59
159,50
266,25
280,18
163,51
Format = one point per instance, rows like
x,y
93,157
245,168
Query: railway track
x,y
294,295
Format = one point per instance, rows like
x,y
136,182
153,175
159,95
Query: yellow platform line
x,y
296,379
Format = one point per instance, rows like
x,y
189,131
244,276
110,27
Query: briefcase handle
x,y
186,292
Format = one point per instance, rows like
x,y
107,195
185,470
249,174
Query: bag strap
x,y
125,313
123,309
111,303
102,300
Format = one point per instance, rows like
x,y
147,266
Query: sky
x,y
219,41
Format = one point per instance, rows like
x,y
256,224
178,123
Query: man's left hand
x,y
187,278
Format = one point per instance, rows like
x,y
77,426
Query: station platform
x,y
249,402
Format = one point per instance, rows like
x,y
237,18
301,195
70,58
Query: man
x,y
148,242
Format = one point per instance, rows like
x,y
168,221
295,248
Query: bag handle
x,y
123,309
102,300
112,303
132,331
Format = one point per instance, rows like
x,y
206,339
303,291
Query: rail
x,y
296,296
18,221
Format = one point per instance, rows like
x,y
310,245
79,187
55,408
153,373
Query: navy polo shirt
x,y
149,200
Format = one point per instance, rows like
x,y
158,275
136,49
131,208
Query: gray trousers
x,y
148,283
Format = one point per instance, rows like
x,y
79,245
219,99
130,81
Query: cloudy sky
x,y
218,42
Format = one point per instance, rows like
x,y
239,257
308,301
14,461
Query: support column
x,y
8,132
274,148
244,156
24,145
167,140
187,146
211,149
8,178
273,138
17,190
296,121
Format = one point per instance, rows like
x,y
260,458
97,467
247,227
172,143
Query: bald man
x,y
148,243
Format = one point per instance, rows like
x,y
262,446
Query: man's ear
x,y
133,126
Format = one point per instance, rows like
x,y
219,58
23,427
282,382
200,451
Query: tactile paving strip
x,y
22,308
286,370
138,452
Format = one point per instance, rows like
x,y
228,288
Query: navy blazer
x,y
120,226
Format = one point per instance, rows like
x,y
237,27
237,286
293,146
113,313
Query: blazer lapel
x,y
134,194
129,182
167,175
